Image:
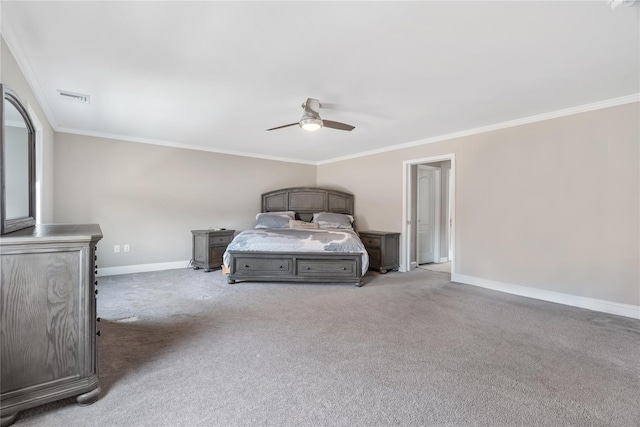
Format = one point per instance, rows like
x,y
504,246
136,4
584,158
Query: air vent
x,y
72,96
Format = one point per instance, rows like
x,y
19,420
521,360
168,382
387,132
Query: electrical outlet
x,y
116,248
126,248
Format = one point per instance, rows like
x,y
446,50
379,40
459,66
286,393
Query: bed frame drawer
x,y
333,268
336,267
250,266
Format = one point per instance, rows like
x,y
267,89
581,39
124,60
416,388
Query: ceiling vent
x,y
72,96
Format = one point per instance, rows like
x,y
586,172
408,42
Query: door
x,y
428,209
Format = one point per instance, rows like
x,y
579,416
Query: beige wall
x,y
150,197
552,205
11,75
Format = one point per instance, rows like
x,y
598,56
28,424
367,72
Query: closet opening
x,y
428,214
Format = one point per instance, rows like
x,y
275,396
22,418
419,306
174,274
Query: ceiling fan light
x,y
310,124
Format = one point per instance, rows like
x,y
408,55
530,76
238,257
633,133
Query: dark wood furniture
x,y
48,316
383,248
208,248
324,267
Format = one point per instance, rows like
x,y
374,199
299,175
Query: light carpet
x,y
183,348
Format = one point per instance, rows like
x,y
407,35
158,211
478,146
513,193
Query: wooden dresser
x,y
209,247
383,248
48,316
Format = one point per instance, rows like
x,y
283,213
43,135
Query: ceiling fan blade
x,y
337,125
285,126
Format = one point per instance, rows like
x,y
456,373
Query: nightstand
x,y
383,248
208,248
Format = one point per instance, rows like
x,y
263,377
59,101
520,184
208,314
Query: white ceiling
x,y
216,75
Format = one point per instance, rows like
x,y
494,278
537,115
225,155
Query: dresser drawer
x,y
371,241
262,265
326,268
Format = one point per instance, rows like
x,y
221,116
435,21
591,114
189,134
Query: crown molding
x,y
180,145
8,34
613,102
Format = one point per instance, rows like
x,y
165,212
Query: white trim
x,y
180,145
614,102
443,259
141,268
594,304
405,237
30,76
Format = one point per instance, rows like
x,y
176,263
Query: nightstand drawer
x,y
221,240
371,242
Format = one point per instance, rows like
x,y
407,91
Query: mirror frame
x,y
15,224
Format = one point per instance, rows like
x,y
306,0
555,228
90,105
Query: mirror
x,y
17,163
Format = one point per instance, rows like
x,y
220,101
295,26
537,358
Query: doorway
x,y
428,214
427,218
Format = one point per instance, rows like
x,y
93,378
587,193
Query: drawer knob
x,y
96,291
246,266
344,268
98,333
308,268
282,266
97,319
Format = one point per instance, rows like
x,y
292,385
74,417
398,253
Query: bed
x,y
323,255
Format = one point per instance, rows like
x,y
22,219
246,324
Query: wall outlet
x,y
116,248
126,248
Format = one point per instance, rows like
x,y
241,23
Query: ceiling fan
x,y
311,119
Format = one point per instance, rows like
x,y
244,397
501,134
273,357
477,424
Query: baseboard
x,y
141,268
603,306
443,259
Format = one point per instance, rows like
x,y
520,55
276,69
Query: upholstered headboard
x,y
306,201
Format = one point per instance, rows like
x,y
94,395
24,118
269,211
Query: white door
x,y
428,214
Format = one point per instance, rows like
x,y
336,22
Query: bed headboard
x,y
307,200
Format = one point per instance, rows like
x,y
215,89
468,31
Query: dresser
x,y
209,247
48,318
383,248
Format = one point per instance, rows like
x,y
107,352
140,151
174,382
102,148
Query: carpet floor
x,y
183,348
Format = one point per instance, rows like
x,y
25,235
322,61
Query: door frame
x,y
408,229
436,216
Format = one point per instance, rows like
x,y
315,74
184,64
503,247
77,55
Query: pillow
x,y
289,214
304,225
333,220
274,219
